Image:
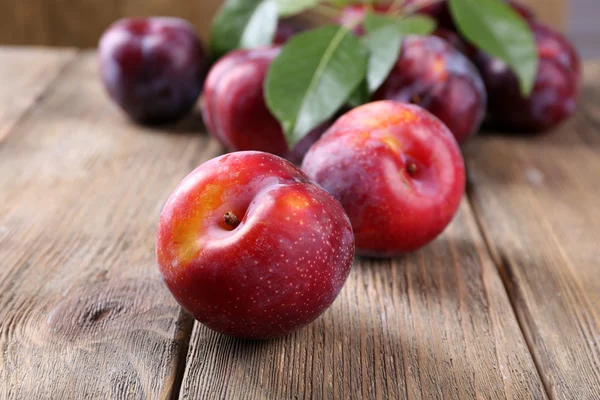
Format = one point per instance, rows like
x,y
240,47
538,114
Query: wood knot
x,y
102,307
102,312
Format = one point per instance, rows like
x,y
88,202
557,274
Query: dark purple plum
x,y
555,92
457,41
435,75
153,68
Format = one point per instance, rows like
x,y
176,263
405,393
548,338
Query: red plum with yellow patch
x,y
397,171
251,247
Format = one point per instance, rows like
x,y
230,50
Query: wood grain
x,y
80,23
432,325
25,74
84,314
537,201
83,311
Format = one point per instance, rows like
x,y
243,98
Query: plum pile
x,y
254,246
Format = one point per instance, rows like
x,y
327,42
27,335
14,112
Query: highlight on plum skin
x,y
153,68
251,247
397,171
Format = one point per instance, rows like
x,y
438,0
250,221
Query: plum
x,y
153,68
397,171
234,108
555,92
435,75
251,247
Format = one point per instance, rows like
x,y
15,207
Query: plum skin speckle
x,y
277,270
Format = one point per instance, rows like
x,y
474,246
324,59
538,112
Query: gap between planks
x,y
535,201
505,279
81,141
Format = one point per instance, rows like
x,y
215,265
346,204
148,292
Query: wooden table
x,y
505,304
80,23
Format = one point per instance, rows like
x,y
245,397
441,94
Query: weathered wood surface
x,y
538,201
25,73
84,314
432,325
80,23
83,311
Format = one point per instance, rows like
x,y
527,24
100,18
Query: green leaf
x,y
494,27
312,77
243,23
384,41
417,25
261,27
384,46
287,8
412,25
360,95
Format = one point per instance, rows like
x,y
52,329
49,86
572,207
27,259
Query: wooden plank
x,y
77,23
431,325
55,22
83,310
23,22
80,24
587,122
199,13
538,203
25,74
552,12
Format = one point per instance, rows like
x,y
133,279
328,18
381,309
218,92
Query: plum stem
x,y
411,169
231,219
